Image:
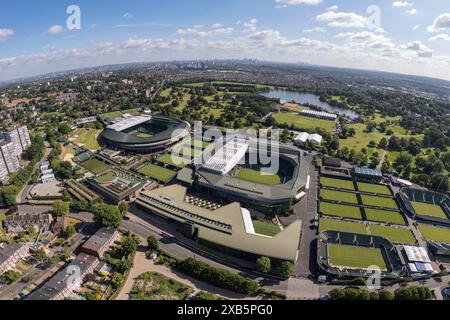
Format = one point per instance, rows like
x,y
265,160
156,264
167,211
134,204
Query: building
x,y
228,229
418,261
85,120
48,178
11,254
304,137
20,222
100,242
63,284
367,174
319,114
145,134
9,162
19,136
439,248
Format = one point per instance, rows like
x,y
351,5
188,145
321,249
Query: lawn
x,y
174,161
374,188
375,201
258,177
429,210
95,166
87,138
339,196
154,286
396,235
109,176
266,228
385,216
158,173
339,210
355,257
437,234
342,226
120,113
337,183
301,122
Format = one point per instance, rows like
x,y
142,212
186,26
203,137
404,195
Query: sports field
x,y
339,210
429,210
258,177
339,196
374,188
343,226
385,216
355,257
86,138
437,234
337,183
375,201
158,173
173,161
109,176
95,166
266,228
396,235
301,122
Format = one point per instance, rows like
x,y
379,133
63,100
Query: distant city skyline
x,y
409,37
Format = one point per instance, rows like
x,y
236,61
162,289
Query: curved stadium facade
x,y
145,134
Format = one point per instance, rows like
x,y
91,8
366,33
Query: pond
x,y
312,99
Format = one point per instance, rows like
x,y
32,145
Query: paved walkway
x,y
142,265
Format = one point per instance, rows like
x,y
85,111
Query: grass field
x,y
375,201
338,196
339,210
343,226
154,286
258,177
292,118
374,188
266,228
355,257
385,216
87,138
396,235
437,234
95,166
173,161
107,177
429,210
158,173
337,183
120,113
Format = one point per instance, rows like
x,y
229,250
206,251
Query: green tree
x,y
69,232
107,216
116,280
61,208
123,208
385,295
285,269
129,245
152,243
263,264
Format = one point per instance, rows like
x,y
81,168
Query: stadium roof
x,y
417,254
225,226
129,123
368,172
225,159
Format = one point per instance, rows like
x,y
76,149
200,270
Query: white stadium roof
x,y
129,123
225,159
417,254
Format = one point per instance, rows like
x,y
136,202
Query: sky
x,y
403,36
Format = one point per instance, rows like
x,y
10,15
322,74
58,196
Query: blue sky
x,y
412,36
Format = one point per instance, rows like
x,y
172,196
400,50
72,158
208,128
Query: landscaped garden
x,y
154,286
95,166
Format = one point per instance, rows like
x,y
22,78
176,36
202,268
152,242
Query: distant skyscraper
x,y
19,136
9,162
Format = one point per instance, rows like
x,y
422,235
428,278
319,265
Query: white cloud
x,y
128,15
441,23
440,37
411,12
217,29
5,34
416,27
192,30
332,8
285,3
342,19
316,29
400,4
56,29
250,25
418,47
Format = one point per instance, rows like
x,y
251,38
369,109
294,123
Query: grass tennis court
x,y
258,177
437,234
374,188
87,138
266,228
302,122
397,235
342,226
338,196
175,161
157,173
337,183
385,216
339,210
355,257
375,201
95,166
427,209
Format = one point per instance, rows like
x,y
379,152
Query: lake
x,y
312,99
